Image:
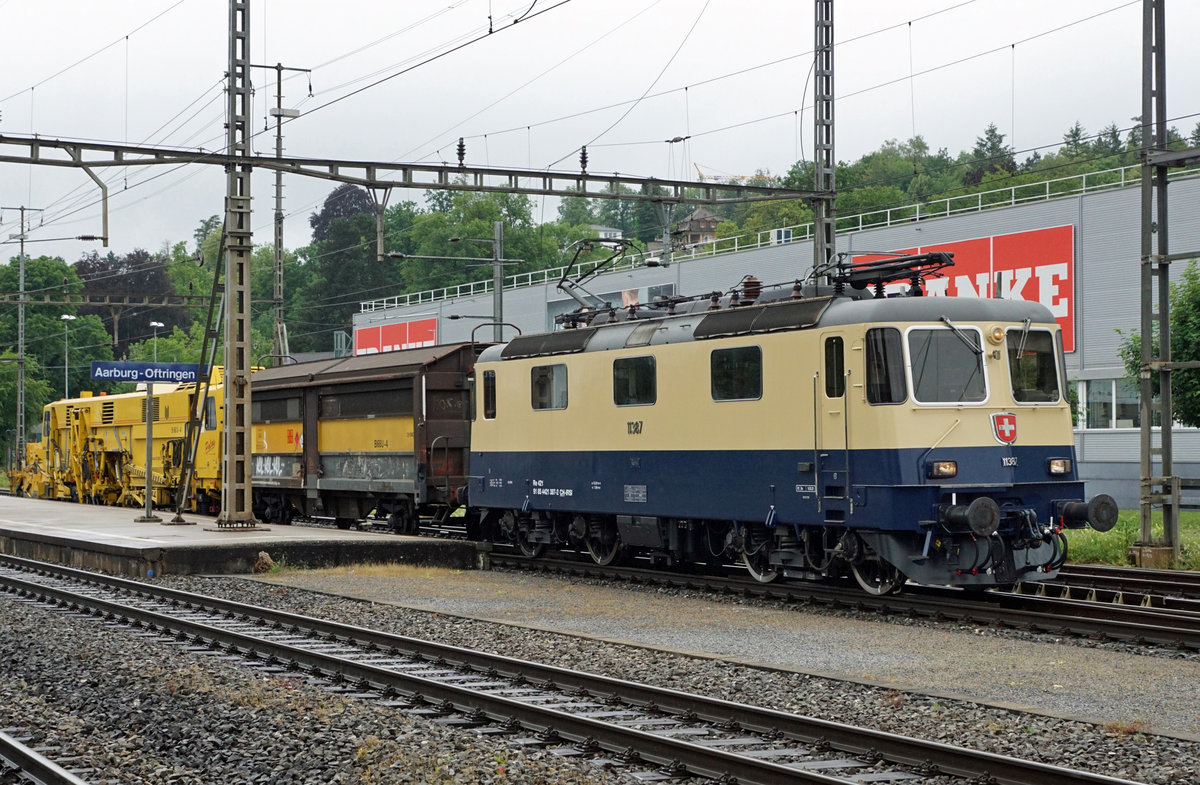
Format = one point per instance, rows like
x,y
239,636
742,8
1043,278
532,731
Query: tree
x,y
1075,141
340,271
137,272
1108,141
344,201
990,155
576,211
1185,346
38,393
205,230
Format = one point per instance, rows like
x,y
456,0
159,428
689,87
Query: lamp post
x,y
66,320
156,325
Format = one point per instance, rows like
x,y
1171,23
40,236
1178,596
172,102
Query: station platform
x,y
110,539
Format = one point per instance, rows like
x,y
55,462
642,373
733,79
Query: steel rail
x,y
32,765
1166,583
591,733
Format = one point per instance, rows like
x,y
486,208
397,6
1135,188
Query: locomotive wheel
x,y
878,577
529,549
758,566
603,543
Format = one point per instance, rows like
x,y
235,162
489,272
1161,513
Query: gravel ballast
x,y
140,711
137,711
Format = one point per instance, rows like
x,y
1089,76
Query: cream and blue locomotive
x,y
814,436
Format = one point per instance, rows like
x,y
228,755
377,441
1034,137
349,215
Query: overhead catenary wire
x,y
527,127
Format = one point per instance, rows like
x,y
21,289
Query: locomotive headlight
x,y
1059,466
939,470
996,335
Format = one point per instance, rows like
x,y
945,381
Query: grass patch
x,y
387,570
1086,546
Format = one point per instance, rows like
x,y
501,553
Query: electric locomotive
x,y
807,435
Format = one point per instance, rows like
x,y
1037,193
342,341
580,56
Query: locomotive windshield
x,y
945,369
1032,366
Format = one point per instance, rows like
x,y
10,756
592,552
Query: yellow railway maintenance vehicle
x,y
94,447
29,479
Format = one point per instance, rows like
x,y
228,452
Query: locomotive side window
x,y
736,373
489,395
1032,366
944,368
885,366
548,386
835,368
634,381
210,413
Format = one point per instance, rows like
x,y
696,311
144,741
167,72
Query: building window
x,y
736,374
489,395
885,366
1114,403
548,386
634,381
1100,403
835,368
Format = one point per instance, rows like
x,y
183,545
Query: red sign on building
x,y
394,337
1038,266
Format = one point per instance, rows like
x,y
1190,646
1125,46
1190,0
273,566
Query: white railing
x,y
939,208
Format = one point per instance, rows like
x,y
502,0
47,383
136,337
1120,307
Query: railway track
x,y
1177,589
20,763
1151,625
647,731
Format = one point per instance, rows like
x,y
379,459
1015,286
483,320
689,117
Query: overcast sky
x,y
528,95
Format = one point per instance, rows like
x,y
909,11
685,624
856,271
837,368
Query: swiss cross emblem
x,y
1004,425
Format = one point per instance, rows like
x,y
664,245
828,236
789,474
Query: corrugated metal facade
x,y
1106,282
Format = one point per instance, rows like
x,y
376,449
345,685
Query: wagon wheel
x,y
878,577
603,543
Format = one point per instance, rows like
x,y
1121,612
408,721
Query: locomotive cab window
x,y
489,395
835,368
548,386
634,381
736,373
885,366
947,365
1032,366
210,413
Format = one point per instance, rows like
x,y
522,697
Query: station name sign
x,y
145,372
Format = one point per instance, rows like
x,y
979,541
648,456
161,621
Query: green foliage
x,y
38,393
1086,546
1185,346
990,155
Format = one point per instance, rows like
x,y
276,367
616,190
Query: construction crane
x,y
716,178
